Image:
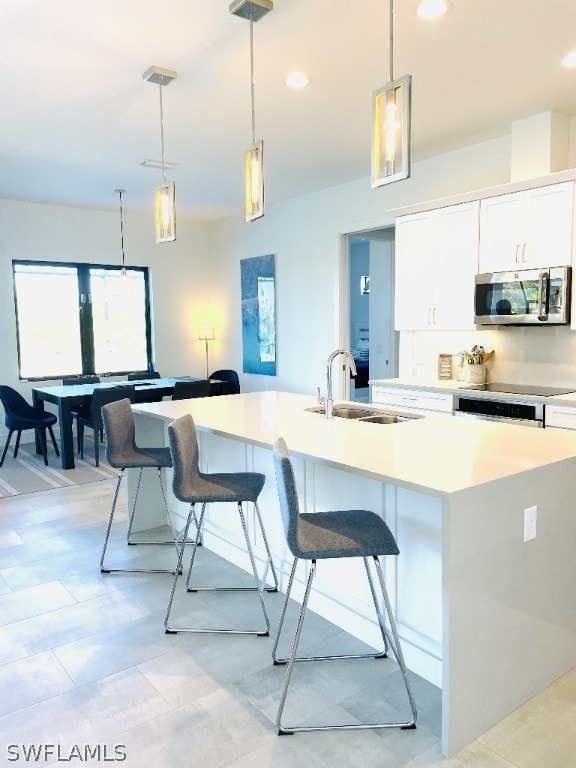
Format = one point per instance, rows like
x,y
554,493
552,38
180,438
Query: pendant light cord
x,y
391,40
252,78
121,226
162,133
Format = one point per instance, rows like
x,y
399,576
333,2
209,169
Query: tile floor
x,y
85,667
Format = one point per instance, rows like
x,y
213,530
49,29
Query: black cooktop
x,y
520,389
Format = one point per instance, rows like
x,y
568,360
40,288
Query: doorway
x,y
373,341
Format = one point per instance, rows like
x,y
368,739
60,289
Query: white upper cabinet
x,y
529,229
414,271
436,261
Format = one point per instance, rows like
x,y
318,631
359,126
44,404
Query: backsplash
x,y
543,356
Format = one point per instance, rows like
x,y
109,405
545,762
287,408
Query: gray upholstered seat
x,y
352,533
192,486
328,535
123,453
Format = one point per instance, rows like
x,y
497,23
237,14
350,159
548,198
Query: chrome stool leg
x,y
381,622
260,588
104,568
390,640
275,659
259,584
167,628
129,539
292,658
394,642
109,526
269,562
372,655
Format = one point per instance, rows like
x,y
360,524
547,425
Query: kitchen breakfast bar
x,y
485,615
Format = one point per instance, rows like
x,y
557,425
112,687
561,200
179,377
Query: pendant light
x,y
254,158
120,191
391,106
165,200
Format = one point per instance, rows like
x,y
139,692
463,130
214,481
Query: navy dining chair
x,y
143,376
101,396
183,390
146,395
82,408
19,416
230,381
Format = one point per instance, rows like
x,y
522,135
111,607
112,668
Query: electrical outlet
x,y
530,515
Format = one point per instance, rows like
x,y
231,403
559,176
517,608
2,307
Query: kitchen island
x,y
483,614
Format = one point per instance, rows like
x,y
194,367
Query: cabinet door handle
x,y
524,253
433,315
518,258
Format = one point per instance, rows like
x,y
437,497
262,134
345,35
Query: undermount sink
x,y
388,418
381,418
364,415
316,409
349,413
342,412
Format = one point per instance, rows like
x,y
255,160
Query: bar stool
x,y
195,487
123,453
326,535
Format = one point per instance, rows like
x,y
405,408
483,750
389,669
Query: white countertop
x,y
451,386
436,454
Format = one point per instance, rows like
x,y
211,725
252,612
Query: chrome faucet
x,y
331,357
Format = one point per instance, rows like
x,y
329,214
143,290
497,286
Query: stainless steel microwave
x,y
526,297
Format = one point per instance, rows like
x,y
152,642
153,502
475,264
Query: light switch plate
x,y
530,515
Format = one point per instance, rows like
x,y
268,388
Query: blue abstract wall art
x,y
258,293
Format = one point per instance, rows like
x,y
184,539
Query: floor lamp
x,y
206,334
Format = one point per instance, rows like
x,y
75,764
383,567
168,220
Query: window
x,y
75,319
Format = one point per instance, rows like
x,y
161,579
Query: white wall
x,y
305,235
182,278
359,303
539,356
383,341
196,280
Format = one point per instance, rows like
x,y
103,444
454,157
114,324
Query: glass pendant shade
x,y
391,132
165,212
254,172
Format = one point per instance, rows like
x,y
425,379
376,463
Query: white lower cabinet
x,y
560,416
413,399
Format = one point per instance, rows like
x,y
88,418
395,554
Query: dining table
x,y
69,398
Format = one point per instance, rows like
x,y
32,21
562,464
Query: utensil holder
x,y
476,374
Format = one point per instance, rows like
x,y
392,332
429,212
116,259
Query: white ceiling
x,y
77,118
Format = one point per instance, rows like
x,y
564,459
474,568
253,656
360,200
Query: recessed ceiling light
x,y
570,59
432,9
297,80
